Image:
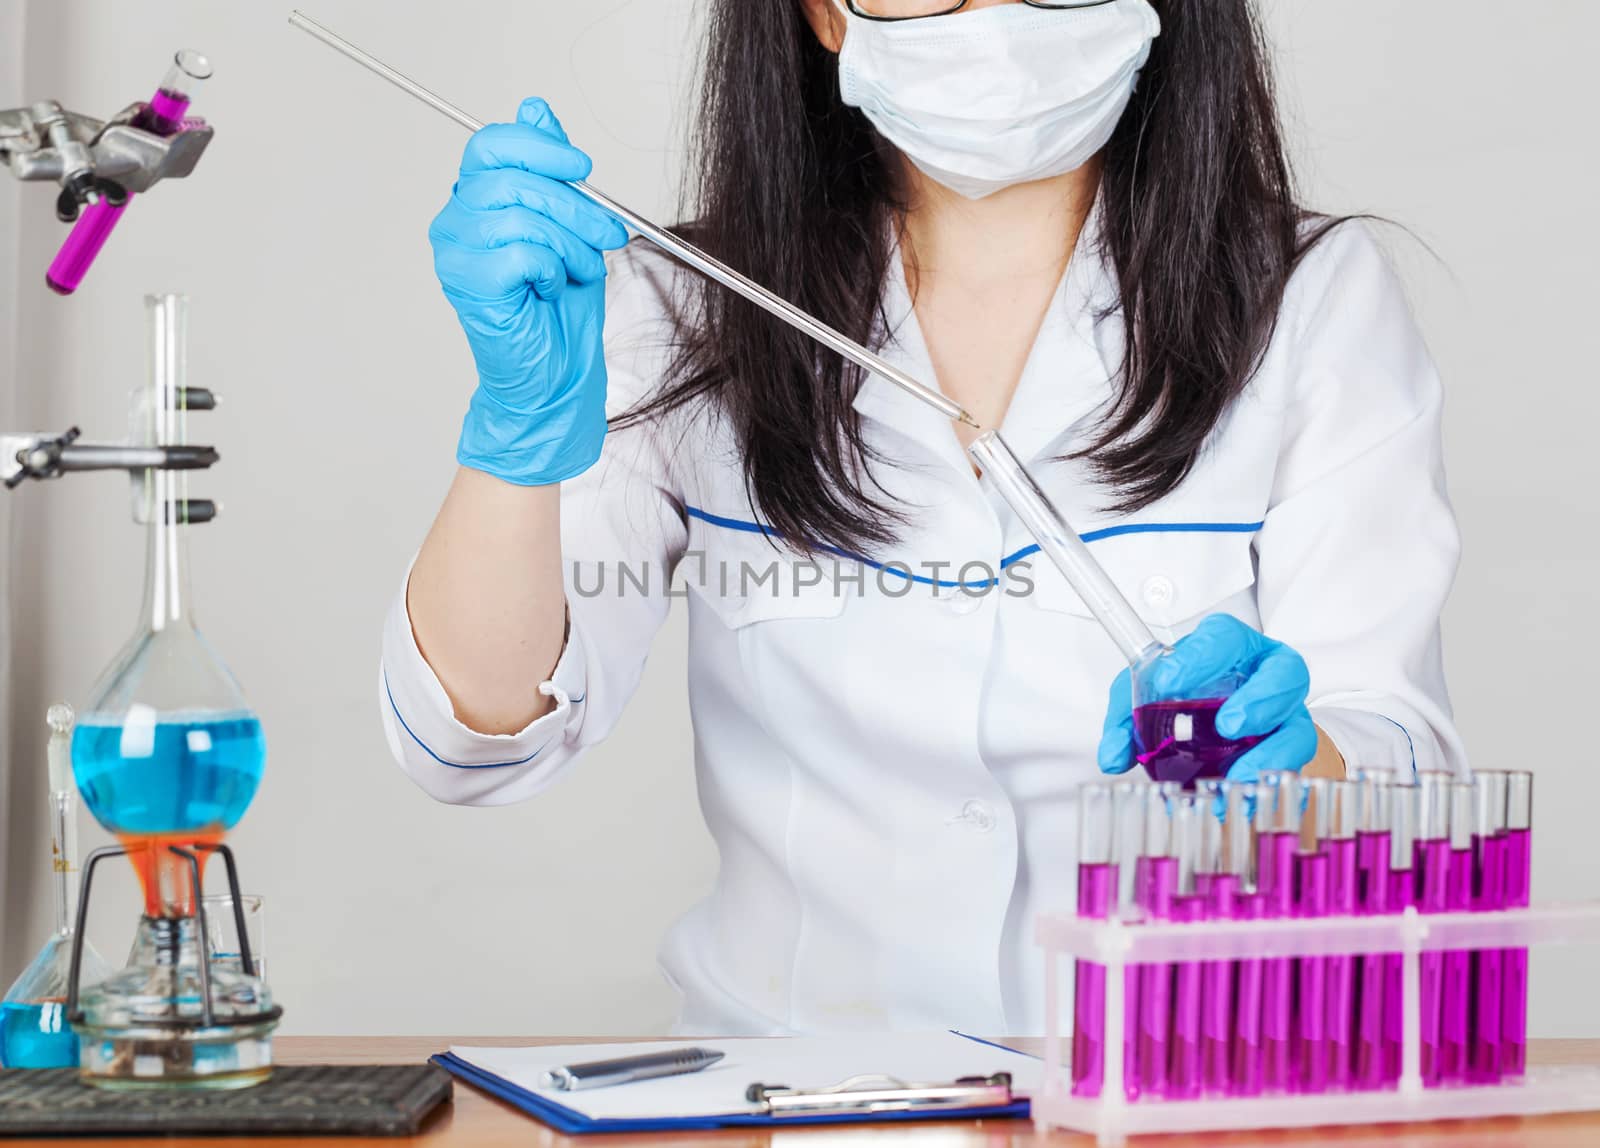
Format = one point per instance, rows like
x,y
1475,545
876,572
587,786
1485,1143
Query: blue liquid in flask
x,y
169,776
35,1034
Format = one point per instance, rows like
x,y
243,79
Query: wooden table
x,y
479,1121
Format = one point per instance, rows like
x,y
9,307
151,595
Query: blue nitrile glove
x,y
519,255
1271,704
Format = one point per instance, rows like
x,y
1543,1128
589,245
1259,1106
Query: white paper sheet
x,y
799,1062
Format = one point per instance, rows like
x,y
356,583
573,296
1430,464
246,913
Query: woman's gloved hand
x,y
1270,705
518,253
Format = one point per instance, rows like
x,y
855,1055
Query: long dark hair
x,y
795,189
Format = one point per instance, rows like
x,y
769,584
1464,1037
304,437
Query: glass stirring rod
x,y
1057,540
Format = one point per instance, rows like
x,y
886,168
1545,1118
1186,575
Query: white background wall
x,y
302,241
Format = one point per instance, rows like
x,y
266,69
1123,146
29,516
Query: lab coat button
x,y
978,815
963,603
1158,590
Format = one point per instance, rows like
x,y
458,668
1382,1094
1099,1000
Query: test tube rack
x,y
1111,1117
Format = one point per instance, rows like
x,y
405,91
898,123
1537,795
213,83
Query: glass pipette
x,y
1057,540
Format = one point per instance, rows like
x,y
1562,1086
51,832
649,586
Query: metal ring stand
x,y
246,961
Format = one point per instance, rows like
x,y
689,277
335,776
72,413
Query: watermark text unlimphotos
x,y
790,578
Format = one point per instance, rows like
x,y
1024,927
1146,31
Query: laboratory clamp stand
x,y
167,755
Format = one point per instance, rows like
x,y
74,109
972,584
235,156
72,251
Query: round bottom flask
x,y
1175,732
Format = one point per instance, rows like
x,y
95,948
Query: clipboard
x,y
818,1099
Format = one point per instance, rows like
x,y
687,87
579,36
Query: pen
x,y
627,1069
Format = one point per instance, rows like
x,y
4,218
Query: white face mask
x,y
981,100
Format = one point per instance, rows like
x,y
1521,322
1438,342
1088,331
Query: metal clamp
x,y
867,1095
93,158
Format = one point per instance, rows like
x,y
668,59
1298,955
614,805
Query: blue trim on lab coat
x,y
1010,560
456,764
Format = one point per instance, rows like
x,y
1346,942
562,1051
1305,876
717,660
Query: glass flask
x,y
33,1028
168,756
1175,733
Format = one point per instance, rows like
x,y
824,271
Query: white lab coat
x,y
888,766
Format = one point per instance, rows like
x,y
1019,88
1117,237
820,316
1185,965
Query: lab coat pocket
x,y
745,576
1172,577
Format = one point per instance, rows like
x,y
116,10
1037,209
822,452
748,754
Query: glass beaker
x,y
222,940
168,757
33,1026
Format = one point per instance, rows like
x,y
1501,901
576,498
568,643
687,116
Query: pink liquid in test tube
x,y
1183,1072
1372,899
1432,868
1340,846
1098,891
1311,1011
1518,895
1159,883
1402,895
1404,803
1454,1032
1247,1072
1374,849
1218,1005
1097,897
1488,896
1278,817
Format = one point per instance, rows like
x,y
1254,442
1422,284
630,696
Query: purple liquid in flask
x,y
1178,740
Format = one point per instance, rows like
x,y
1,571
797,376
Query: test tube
x,y
1519,891
1404,802
1157,885
1337,831
1278,816
162,116
1455,1022
1190,812
1488,896
1244,1059
1374,856
1097,898
1312,900
1129,800
1431,872
1224,862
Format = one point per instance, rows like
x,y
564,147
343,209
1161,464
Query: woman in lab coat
x,y
1078,223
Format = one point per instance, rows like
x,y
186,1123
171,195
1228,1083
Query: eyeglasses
x,y
921,9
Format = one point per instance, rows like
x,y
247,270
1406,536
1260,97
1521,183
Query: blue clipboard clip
x,y
872,1095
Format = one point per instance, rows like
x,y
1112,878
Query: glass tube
x,y
1224,866
1519,892
1158,887
1431,870
1245,1060
1338,835
1404,804
1129,803
1488,896
1097,897
1374,853
1311,973
1189,817
1061,544
1278,815
1454,1026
